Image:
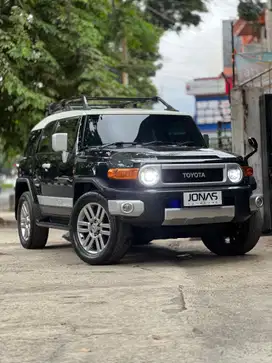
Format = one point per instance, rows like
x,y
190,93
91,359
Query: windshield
x,y
142,129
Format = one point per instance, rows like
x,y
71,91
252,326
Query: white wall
x,y
247,122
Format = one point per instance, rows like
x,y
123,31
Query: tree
x,y
250,10
50,50
173,14
140,59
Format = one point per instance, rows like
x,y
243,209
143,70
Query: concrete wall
x,y
253,129
237,122
247,122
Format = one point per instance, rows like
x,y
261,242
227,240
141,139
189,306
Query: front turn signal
x,y
248,171
123,173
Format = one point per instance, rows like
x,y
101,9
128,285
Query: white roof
x,y
108,111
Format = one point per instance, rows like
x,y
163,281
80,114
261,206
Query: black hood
x,y
129,156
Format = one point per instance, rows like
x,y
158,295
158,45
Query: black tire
x,y
244,239
38,236
119,239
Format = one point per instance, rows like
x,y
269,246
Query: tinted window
x,y
69,126
106,129
45,145
32,144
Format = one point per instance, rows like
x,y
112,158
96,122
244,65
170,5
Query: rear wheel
x,y
243,238
97,237
31,236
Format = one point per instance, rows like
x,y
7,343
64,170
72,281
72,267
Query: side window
x,y
70,127
45,145
32,144
91,135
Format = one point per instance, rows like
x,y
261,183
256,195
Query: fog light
x,y
127,208
259,202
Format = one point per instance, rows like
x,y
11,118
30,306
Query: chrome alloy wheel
x,y
93,228
25,222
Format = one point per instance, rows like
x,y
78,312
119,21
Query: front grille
x,y
192,175
187,157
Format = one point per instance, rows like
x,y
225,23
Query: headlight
x,y
235,174
149,176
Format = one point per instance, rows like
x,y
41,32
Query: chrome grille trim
x,y
224,166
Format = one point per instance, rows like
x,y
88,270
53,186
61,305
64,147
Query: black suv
x,y
113,174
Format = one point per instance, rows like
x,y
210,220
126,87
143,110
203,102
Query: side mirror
x,y
254,144
60,142
206,139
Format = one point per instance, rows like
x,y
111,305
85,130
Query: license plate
x,y
194,199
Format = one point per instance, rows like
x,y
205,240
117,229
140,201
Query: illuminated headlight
x,y
149,176
235,174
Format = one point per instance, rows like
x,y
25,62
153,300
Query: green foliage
x,y
142,39
6,186
50,50
173,14
250,10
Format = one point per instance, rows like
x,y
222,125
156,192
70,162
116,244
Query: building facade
x,y
212,109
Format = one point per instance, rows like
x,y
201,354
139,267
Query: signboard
x,y
208,86
249,65
211,110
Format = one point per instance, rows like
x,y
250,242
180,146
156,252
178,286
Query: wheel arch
x,y
23,185
83,186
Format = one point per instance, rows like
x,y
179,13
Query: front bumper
x,y
152,207
196,216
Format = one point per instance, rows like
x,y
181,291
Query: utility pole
x,y
124,51
268,25
233,55
125,60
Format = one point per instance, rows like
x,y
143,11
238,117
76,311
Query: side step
x,y
63,227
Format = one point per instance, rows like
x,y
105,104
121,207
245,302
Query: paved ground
x,y
170,304
4,199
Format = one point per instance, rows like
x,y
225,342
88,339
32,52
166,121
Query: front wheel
x,y
243,238
98,237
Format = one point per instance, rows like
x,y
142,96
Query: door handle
x,y
46,166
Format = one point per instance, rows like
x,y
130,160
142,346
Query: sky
x,y
196,52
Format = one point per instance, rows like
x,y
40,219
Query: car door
x,y
62,168
27,163
44,173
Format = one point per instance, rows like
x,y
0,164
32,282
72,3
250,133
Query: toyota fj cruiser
x,y
113,174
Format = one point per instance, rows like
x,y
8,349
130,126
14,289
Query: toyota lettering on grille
x,y
196,175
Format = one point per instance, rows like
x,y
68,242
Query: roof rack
x,y
79,103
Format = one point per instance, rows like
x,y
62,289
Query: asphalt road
x,y
172,302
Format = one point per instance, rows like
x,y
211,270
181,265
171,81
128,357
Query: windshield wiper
x,y
158,142
186,143
118,143
154,142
